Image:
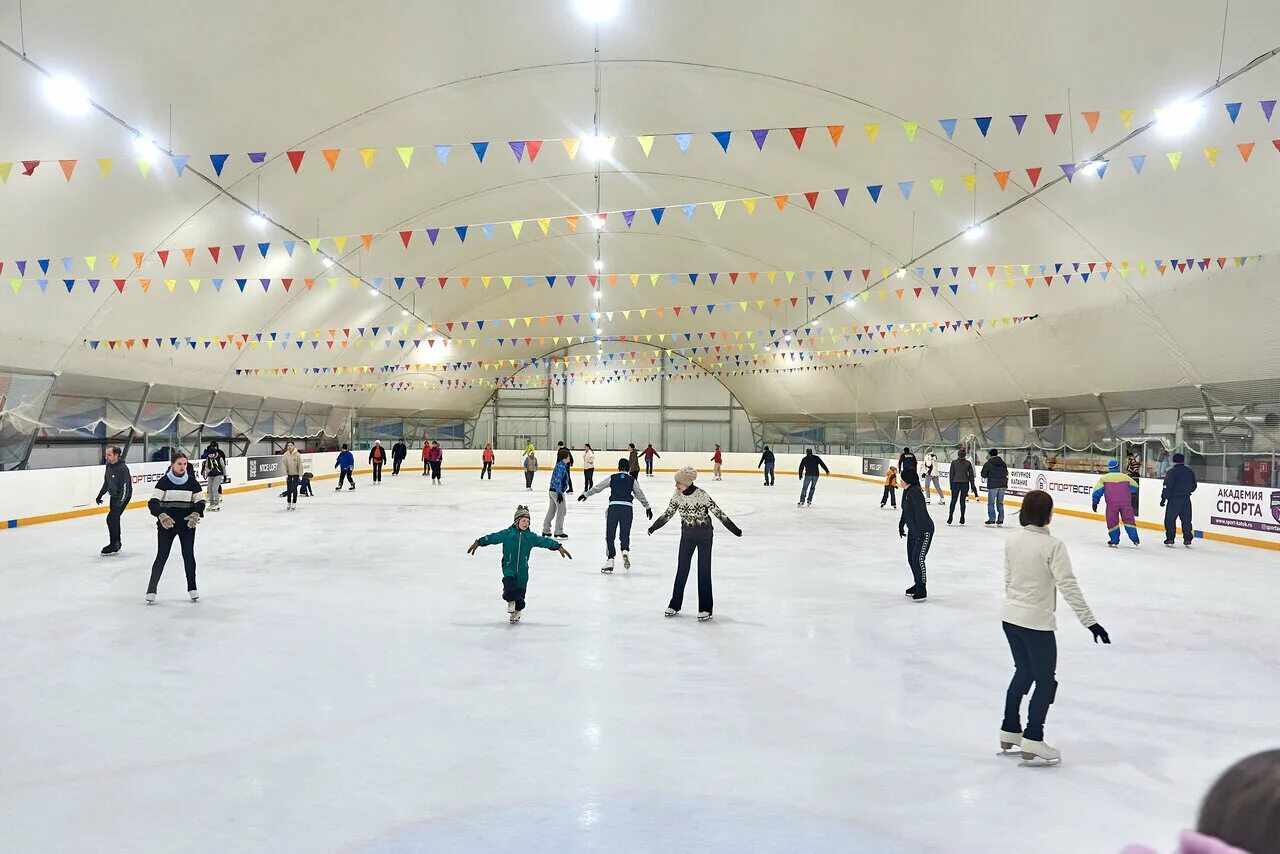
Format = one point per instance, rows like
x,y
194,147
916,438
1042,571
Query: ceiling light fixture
x,y
973,232
1093,167
598,294
257,219
599,265
598,221
327,261
786,337
848,303
599,331
373,292
67,95
597,10
404,311
145,148
1178,119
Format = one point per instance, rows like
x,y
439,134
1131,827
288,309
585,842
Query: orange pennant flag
x,y
367,240
1091,119
331,156
781,201
137,260
572,222
1245,149
1002,178
188,254
836,131
68,166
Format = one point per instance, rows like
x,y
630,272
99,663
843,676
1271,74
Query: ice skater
x,y
930,479
808,474
486,462
555,496
995,471
649,455
346,466
907,461
767,460
435,456
399,451
916,525
588,467
568,478
426,457
890,495
963,479
622,489
717,459
517,542
117,485
292,475
305,487
633,458
1036,569
1118,489
1175,498
213,469
530,469
378,459
178,504
696,508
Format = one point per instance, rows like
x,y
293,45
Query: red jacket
x,y
487,456
717,458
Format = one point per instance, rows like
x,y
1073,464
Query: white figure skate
x,y
1037,753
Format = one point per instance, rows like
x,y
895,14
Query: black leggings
x,y
377,471
959,496
511,593
688,544
435,469
486,470
528,479
165,537
291,488
588,478
1035,657
890,495
917,547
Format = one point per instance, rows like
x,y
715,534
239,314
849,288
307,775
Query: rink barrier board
x,y
876,481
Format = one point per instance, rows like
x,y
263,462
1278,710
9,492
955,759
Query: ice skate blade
x,y
1037,762
1010,751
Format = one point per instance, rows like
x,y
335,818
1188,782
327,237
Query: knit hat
x,y
1113,465
1179,458
522,512
688,474
624,464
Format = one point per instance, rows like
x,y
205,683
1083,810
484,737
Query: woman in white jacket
x,y
1036,567
588,468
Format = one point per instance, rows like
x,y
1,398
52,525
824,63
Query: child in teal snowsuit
x,y
1118,489
517,542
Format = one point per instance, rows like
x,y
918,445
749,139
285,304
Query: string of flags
x,y
334,246
1047,272
528,150
386,336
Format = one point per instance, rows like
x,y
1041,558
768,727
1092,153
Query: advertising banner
x,y
1068,489
877,466
272,467
1242,508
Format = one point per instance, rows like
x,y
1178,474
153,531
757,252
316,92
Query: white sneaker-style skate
x,y
671,612
626,560
703,616
194,594
1010,743
151,598
511,608
515,616
608,565
1036,753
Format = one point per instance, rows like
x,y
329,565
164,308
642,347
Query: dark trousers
x,y
1035,658
917,547
291,488
689,543
511,593
377,471
528,479
165,537
568,480
617,520
395,465
305,488
890,496
648,466
959,494
345,474
486,470
588,478
114,510
435,469
426,467
768,474
1178,511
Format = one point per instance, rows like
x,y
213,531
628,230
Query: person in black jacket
x,y
907,461
1175,498
178,505
996,473
214,472
117,484
399,451
767,460
622,489
917,527
963,478
808,473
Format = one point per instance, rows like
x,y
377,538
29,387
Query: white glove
x,y
193,519
165,520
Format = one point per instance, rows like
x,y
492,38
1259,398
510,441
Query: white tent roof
x,y
304,76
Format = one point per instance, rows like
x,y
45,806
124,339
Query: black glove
x,y
582,497
1099,633
1161,502
901,533
99,499
648,513
733,529
1095,508
559,497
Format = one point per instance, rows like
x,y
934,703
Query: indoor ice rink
x,y
302,303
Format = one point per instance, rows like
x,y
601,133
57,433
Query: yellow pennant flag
x,y
91,261
635,279
406,154
511,321
527,320
970,181
718,207
570,147
355,282
16,284
1175,157
144,166
340,243
367,155
653,279
516,225
643,312
105,164
1211,154
115,261
170,284
646,143
484,280
937,184
750,205
759,305
772,274
626,314
333,281
545,224
872,132
314,243
866,295
790,276
742,305
5,168
911,128
1126,116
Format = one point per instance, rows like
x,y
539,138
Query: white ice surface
x,y
349,682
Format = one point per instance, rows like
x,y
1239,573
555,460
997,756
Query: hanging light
x,y
373,292
599,265
67,95
257,220
597,10
599,331
973,232
404,312
598,295
902,272
328,262
145,148
1178,119
598,221
848,303
786,337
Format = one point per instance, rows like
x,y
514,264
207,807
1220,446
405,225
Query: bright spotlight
x,y
1093,167
597,10
848,303
902,272
598,222
328,262
598,294
599,265
786,337
973,232
373,292
257,219
1178,119
66,94
599,331
145,148
405,312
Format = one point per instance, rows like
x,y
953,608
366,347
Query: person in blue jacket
x,y
555,504
517,542
346,465
1175,498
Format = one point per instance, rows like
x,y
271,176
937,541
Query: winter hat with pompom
x,y
522,512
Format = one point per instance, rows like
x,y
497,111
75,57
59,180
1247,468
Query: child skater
x,y
1118,488
890,488
917,527
517,542
696,509
306,485
622,487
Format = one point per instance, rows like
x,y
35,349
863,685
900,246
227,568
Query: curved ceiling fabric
x,y
668,68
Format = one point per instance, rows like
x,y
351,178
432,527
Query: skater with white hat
x,y
696,509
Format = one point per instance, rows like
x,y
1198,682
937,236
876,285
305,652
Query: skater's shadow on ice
x,y
505,624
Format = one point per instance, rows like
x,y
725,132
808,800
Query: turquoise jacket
x,y
516,546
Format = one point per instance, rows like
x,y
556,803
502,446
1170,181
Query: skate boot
x,y
911,591
194,594
703,616
626,560
1113,545
151,598
110,549
1036,753
919,594
608,565
511,608
1168,544
515,616
671,612
1010,743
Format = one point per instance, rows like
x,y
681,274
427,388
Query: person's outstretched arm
x,y
724,519
665,517
824,465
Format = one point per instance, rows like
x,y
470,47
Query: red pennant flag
x,y
733,277
794,300
1053,119
295,158
866,274
442,280
973,271
404,238
1002,178
532,147
288,283
119,283
29,167
1034,175
798,135
214,251
812,198
1276,143
164,257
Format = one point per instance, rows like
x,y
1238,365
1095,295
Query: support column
x,y
133,431
253,425
662,401
1107,417
982,431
